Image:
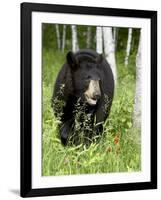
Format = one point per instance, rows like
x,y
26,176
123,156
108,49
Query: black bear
x,y
85,76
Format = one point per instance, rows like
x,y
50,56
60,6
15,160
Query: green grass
x,y
119,147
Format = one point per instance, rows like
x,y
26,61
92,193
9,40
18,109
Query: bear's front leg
x,y
65,130
67,121
100,118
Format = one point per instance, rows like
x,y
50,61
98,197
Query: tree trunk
x,y
115,36
88,37
99,43
109,49
63,38
128,48
58,36
75,46
137,104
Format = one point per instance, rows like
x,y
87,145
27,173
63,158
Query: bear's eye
x,y
88,77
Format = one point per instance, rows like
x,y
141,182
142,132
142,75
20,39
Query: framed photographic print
x,y
88,99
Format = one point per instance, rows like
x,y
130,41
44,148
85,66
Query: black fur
x,y
75,74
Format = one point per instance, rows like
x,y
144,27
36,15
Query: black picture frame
x,y
26,96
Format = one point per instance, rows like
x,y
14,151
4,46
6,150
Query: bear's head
x,y
86,76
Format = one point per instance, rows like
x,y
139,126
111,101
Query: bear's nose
x,y
96,95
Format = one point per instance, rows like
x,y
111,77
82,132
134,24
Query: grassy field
x,y
119,149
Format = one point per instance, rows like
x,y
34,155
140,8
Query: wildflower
x,y
116,139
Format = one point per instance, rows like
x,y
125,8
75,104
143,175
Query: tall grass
x,y
119,147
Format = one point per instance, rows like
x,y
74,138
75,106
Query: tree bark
x,y
99,41
109,49
128,48
58,36
88,37
115,36
63,38
137,103
75,46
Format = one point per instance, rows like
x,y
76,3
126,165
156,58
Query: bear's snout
x,y
97,95
93,93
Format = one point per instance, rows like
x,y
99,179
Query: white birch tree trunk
x,y
128,48
115,35
99,40
63,37
109,49
58,35
137,103
75,46
88,37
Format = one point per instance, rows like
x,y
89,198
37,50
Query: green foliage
x,y
118,149
50,40
51,62
82,130
122,36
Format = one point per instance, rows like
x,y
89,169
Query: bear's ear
x,y
99,59
71,60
